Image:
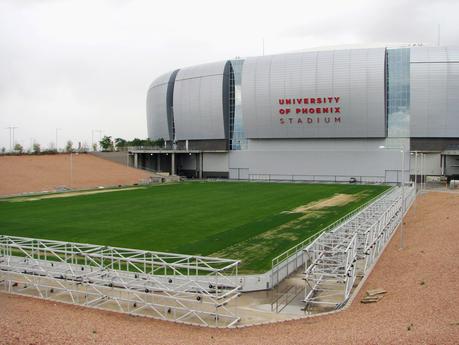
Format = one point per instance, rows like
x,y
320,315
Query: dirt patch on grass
x,y
293,231
280,230
335,200
252,249
70,194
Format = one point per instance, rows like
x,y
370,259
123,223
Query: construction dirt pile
x,y
420,304
27,173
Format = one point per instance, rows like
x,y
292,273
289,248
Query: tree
x,y
36,148
119,143
69,146
3,150
51,147
159,142
94,147
148,142
18,147
106,143
137,142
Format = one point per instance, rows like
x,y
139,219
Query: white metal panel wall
x,y
198,102
434,92
356,76
157,123
320,158
215,162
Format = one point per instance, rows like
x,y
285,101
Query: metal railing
x,y
317,178
284,257
168,286
330,275
285,297
147,148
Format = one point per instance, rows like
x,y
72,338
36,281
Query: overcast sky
x,y
86,65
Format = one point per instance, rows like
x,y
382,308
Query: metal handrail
x,y
140,148
287,295
293,250
317,178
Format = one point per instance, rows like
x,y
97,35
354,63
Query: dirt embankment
x,y
23,174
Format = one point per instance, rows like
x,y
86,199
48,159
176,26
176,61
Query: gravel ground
x,y
20,174
421,306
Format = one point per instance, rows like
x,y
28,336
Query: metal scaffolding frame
x,y
182,288
293,258
332,271
338,256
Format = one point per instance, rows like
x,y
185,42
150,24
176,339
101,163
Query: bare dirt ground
x,y
22,174
335,200
421,306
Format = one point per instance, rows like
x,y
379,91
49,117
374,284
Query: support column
x,y
442,164
136,160
200,165
173,164
158,163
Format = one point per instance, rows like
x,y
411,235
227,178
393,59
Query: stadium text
x,y
309,120
308,106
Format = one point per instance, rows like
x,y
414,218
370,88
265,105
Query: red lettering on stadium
x,y
310,100
309,120
310,106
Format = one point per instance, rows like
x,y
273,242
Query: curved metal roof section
x,y
199,102
159,107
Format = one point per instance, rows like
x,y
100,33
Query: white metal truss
x,y
184,288
294,258
335,258
331,275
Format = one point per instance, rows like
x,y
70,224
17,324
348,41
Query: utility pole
x,y
92,136
402,242
11,129
57,146
71,169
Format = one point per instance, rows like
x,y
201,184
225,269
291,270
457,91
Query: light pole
x,y
421,159
415,170
423,172
402,150
57,146
415,179
11,129
71,169
92,136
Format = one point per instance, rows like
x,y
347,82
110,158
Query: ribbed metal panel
x,y
356,76
198,102
157,119
434,89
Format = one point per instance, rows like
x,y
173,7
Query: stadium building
x,y
331,115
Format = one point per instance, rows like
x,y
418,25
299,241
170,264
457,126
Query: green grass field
x,y
253,222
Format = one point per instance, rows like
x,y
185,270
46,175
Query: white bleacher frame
x,y
182,288
338,256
